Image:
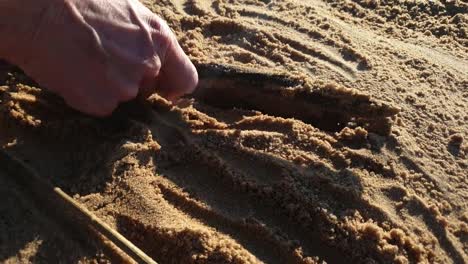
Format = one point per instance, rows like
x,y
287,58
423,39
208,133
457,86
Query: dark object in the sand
x,y
327,106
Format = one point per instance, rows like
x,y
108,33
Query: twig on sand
x,y
67,210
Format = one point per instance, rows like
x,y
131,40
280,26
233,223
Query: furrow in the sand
x,y
326,106
251,234
307,27
364,160
275,47
182,245
321,183
322,47
320,188
236,195
437,226
297,50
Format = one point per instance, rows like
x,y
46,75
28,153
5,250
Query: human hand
x,y
98,53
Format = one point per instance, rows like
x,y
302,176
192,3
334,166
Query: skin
x,y
95,53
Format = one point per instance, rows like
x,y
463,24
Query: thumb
x,y
177,75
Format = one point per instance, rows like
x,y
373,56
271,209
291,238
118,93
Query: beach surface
x,y
322,131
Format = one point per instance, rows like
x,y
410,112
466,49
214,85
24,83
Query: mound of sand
x,y
328,131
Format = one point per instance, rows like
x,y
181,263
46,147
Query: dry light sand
x,y
323,131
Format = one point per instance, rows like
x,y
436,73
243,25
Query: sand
x,y
322,131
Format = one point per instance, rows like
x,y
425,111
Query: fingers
x,y
148,84
95,105
124,89
157,63
177,75
100,98
119,50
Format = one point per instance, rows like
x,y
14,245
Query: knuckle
x,y
105,109
91,106
163,40
121,85
157,23
152,65
127,93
